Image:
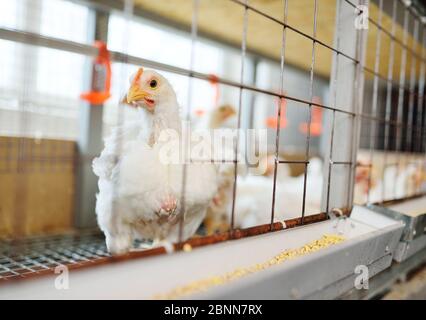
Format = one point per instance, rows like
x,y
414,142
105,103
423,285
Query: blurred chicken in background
x,y
398,181
254,203
254,191
222,117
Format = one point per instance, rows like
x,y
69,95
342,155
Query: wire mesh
x,y
41,254
398,124
389,121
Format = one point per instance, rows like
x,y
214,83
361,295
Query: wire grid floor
x,y
36,255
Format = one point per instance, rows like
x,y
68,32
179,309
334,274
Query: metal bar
x,y
293,161
411,88
333,94
420,112
341,162
388,106
243,56
89,141
35,39
410,131
118,147
350,87
187,139
330,156
423,144
401,91
373,125
70,46
376,74
213,161
385,31
277,135
311,95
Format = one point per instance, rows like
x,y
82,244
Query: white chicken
x,y
139,192
222,117
254,202
396,183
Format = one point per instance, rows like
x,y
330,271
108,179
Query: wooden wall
x,y
37,178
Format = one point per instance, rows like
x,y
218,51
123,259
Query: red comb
x,y
199,112
138,76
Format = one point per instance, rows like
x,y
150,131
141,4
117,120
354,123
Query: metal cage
x,y
374,119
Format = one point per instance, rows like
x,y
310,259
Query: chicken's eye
x,y
153,84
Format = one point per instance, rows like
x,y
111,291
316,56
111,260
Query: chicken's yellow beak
x,y
230,112
135,94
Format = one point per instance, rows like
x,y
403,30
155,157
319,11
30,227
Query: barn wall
x,y
36,186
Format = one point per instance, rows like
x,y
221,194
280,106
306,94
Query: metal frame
x,y
413,238
348,55
346,84
414,226
34,39
90,140
373,118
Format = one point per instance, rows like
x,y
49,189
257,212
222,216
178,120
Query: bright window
x,y
60,73
8,19
9,14
65,20
43,82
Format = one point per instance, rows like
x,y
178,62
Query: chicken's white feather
x,y
140,193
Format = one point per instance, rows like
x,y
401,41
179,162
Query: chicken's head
x,y
225,111
149,90
221,115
